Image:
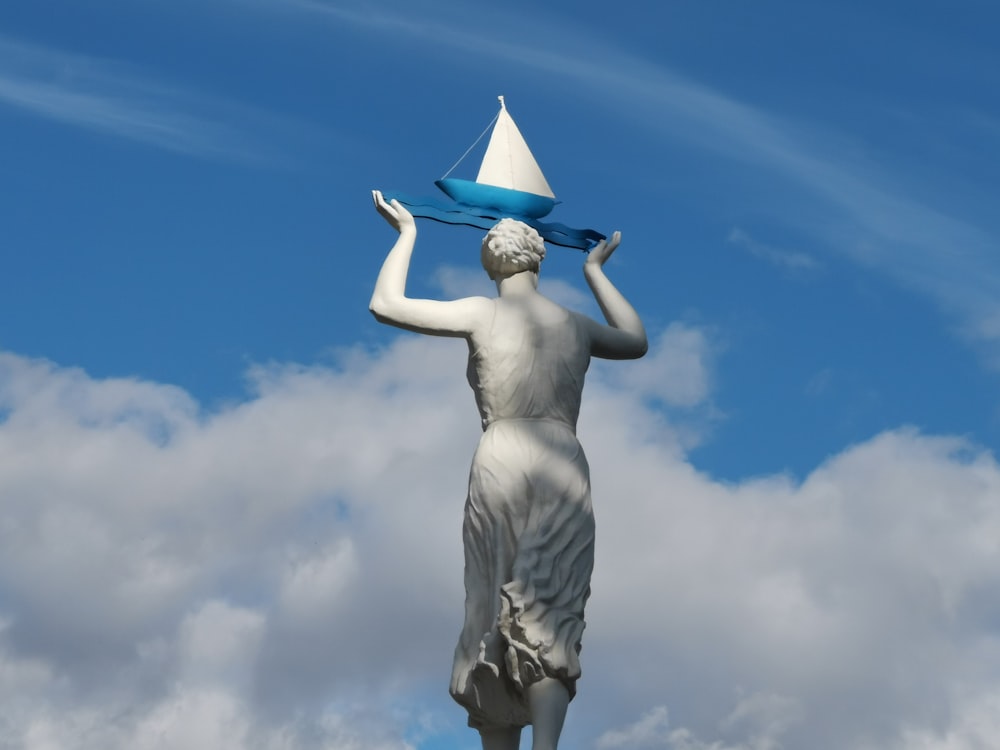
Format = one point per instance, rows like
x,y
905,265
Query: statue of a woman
x,y
529,527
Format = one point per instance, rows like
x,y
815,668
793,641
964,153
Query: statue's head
x,y
511,247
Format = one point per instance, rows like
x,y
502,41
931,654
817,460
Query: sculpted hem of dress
x,y
530,531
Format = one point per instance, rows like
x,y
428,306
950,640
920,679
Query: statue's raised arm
x,y
624,337
389,303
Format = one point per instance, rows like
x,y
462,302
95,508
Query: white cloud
x,y
764,718
976,725
456,282
650,730
677,369
286,572
201,718
219,644
313,583
761,719
856,589
675,376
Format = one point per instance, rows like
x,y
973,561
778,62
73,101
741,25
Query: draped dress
x,y
528,530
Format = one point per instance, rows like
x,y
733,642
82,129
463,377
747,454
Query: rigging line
x,y
475,143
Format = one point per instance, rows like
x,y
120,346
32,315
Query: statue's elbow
x,y
377,308
640,348
381,309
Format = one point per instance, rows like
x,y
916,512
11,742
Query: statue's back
x,y
530,362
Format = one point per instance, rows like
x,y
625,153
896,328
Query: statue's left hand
x,y
393,212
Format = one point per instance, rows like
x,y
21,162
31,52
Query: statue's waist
x,y
564,423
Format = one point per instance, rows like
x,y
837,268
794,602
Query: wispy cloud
x,y
867,213
791,260
110,98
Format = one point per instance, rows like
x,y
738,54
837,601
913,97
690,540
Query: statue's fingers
x,y
383,208
609,246
401,211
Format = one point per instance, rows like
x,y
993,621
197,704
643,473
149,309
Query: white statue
x,y
529,527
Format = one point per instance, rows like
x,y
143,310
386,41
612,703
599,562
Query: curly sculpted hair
x,y
510,247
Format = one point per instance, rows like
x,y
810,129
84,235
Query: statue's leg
x,y
547,700
501,739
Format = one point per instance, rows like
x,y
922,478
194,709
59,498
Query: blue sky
x,y
807,195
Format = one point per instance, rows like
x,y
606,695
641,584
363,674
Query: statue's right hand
x,y
393,212
599,255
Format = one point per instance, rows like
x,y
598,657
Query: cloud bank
x,y
285,572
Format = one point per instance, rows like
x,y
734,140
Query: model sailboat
x,y
510,184
509,178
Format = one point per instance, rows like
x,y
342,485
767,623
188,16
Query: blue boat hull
x,y
514,202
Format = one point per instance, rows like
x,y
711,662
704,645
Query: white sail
x,y
508,162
